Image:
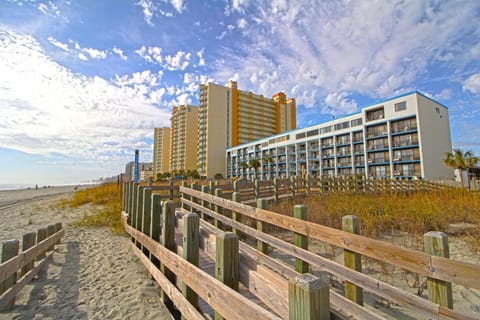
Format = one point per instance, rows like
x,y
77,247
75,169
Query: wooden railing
x,y
18,269
272,282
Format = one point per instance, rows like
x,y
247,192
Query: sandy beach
x,y
93,274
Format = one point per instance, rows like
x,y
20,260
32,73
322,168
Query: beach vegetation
x,y
389,214
107,199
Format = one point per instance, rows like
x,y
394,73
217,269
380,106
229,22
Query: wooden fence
x,y
18,269
248,282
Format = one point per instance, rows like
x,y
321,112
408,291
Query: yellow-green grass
x,y
107,197
380,214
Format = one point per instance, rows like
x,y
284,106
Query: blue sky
x,y
83,83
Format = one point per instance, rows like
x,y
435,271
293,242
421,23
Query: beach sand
x,y
93,274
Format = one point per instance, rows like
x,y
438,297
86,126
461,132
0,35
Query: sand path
x,y
93,274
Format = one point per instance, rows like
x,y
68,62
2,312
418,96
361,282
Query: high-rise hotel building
x,y
404,136
183,138
161,151
229,117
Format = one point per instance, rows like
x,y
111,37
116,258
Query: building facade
x,y
183,138
229,117
405,136
161,151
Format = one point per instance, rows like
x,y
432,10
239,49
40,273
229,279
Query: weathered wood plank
x,y
222,298
182,304
382,289
414,261
352,260
190,251
309,297
440,292
301,241
9,295
227,262
23,258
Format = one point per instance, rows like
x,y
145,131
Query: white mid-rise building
x,y
404,136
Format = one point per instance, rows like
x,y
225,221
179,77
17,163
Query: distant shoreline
x,y
13,186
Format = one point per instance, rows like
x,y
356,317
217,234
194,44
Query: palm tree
x,y
255,164
460,160
267,159
243,165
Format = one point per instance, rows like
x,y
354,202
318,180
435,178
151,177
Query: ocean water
x,y
16,186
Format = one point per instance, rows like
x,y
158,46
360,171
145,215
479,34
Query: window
x,y
400,106
301,135
325,129
437,110
356,122
312,133
342,125
375,114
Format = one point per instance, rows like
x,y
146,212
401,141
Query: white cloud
x,y
242,23
50,9
148,8
47,109
95,53
150,54
201,60
120,53
371,48
179,61
339,101
82,56
178,5
472,84
59,44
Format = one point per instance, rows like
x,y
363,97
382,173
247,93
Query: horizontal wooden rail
x,y
7,296
268,279
13,265
220,297
380,288
415,261
169,288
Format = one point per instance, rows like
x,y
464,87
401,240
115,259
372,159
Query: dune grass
x,y
380,214
107,197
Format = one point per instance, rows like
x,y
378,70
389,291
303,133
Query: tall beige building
x,y
183,138
161,151
229,117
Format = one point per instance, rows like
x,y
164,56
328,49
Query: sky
x,y
83,83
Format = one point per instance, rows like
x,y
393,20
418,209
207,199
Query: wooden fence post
x,y
139,212
170,189
168,240
155,223
133,209
58,227
309,297
28,242
218,209
191,251
301,241
439,292
193,186
292,187
41,235
235,186
146,215
275,189
227,261
352,260
307,184
9,250
185,185
237,197
50,232
261,226
256,189
203,203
